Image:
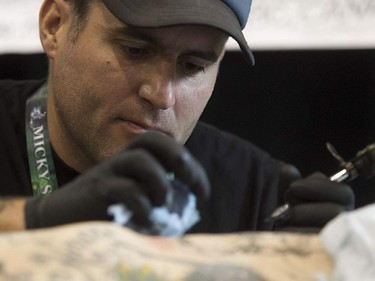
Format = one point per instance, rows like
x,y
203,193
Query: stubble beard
x,y
81,140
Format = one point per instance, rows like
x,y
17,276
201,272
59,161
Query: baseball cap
x,y
229,16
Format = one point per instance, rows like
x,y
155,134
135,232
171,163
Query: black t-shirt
x,y
244,179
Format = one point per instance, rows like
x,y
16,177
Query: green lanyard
x,y
42,168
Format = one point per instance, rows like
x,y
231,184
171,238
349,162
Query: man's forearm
x,y
12,215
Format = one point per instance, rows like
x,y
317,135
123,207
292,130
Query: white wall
x,y
296,24
273,24
19,26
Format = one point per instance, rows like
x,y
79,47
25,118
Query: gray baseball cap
x,y
229,16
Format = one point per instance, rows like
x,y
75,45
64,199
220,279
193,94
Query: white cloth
x,y
177,216
350,239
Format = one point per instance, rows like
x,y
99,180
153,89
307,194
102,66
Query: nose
x,y
158,87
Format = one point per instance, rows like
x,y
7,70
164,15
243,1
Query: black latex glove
x,y
314,201
135,177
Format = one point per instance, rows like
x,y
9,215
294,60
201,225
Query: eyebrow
x,y
205,55
139,34
136,33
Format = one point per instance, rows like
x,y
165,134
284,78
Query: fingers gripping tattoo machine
x,y
362,165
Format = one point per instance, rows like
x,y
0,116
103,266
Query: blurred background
x,y
313,82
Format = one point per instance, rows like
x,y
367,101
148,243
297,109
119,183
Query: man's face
x,y
115,82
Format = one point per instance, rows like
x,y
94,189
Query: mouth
x,y
140,127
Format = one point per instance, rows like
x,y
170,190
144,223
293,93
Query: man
x,y
128,81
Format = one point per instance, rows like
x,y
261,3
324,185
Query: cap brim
x,y
157,13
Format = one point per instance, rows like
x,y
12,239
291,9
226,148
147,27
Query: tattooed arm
x,y
12,214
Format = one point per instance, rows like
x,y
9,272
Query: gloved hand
x,y
314,201
135,177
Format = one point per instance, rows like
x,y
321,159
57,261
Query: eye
x,y
135,52
192,68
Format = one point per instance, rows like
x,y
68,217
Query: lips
x,y
141,127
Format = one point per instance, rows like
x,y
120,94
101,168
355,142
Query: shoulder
x,y
13,95
9,84
18,89
13,157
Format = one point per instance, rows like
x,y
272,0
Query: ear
x,y
53,21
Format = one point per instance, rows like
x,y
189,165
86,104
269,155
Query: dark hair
x,y
80,9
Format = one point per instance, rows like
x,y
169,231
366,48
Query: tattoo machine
x,y
362,165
